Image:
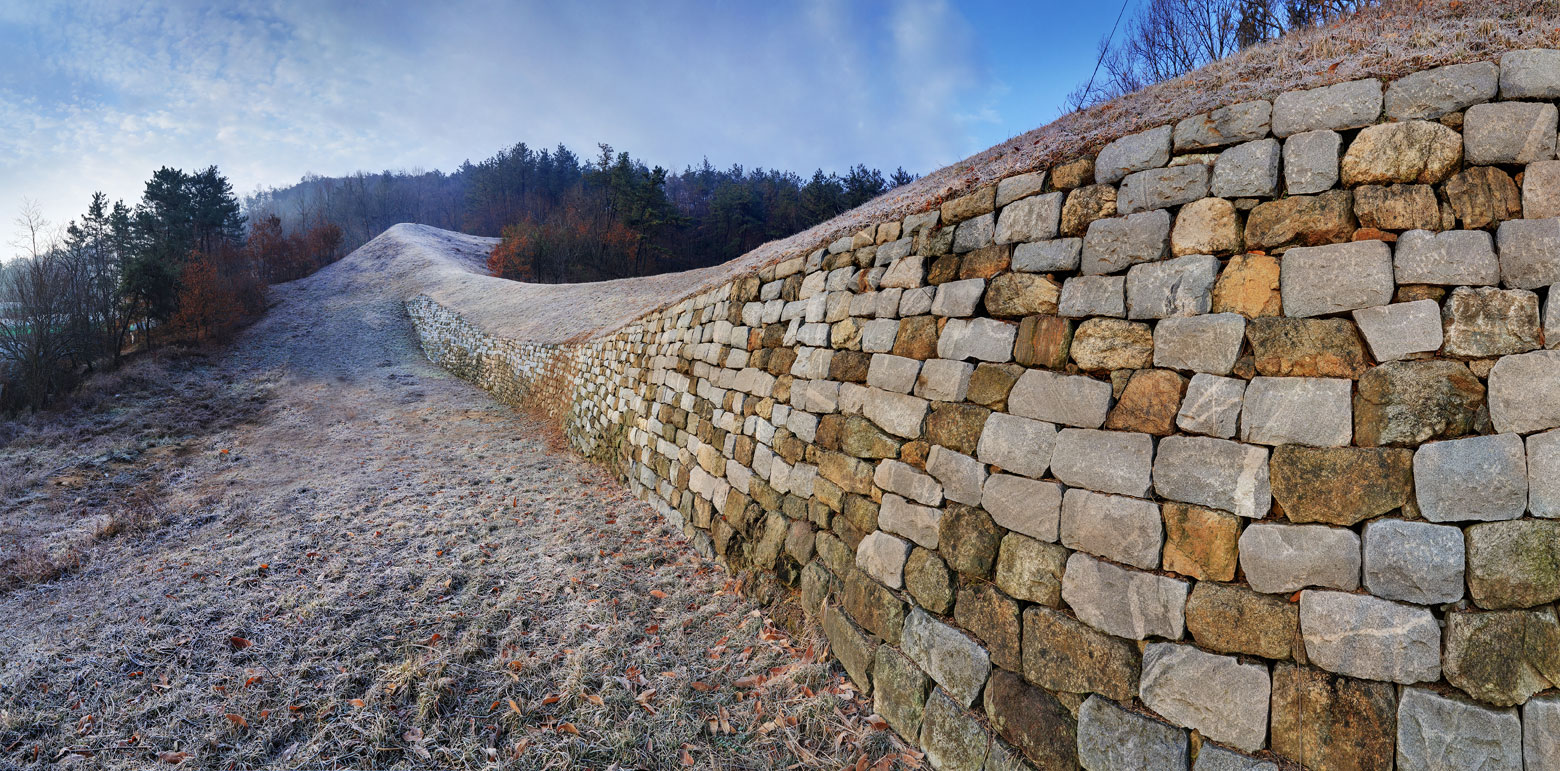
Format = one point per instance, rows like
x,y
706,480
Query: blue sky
x,y
96,94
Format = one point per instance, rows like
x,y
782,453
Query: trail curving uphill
x,y
378,566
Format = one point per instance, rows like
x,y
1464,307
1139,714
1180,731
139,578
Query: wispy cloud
x,y
97,94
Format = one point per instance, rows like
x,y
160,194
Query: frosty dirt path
x,y
385,568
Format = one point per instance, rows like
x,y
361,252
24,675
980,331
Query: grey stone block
x,y
1395,331
1118,528
1113,739
1413,561
1212,757
1030,219
883,557
1318,280
1093,296
1220,696
1480,478
958,664
892,373
1530,74
958,298
1212,406
1438,733
1311,162
951,737
1179,287
1122,601
1145,150
1279,559
1342,106
1529,253
1116,243
1248,171
1524,392
1162,188
978,338
1217,473
898,477
1016,444
1543,463
1106,461
962,477
899,414
944,380
1046,256
1509,132
1071,400
1023,505
1448,258
975,233
1298,410
911,520
1484,321
1368,637
1541,733
1230,125
1019,186
1208,343
1432,93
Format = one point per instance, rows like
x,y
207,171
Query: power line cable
x,y
1105,48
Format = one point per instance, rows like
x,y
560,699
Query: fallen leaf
x,y
172,758
239,643
238,720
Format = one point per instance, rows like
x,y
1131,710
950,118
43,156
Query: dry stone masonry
x,y
1236,446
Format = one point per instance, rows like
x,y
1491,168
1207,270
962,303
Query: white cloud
x,y
97,94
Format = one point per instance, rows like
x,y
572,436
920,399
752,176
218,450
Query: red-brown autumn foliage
x,y
286,256
554,249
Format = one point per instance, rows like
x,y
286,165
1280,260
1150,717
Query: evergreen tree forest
x,y
564,218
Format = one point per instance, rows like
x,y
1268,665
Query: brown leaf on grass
x,y
568,728
701,686
239,643
356,703
594,699
515,707
751,681
237,720
658,594
172,758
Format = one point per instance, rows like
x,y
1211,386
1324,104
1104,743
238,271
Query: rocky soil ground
x,y
314,549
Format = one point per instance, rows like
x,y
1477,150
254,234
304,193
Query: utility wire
x,y
1105,48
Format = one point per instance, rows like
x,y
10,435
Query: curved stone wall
x,y
1233,446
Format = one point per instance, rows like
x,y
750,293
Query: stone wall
x,y
1231,447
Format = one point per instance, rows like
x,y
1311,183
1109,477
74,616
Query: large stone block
x,y
1514,564
1016,444
1502,657
1200,542
1482,196
1509,132
1481,322
1113,739
1149,402
1302,220
1208,226
1437,733
1524,392
1136,152
1220,696
1024,505
1297,410
1530,74
900,692
1022,294
1448,258
1414,561
1162,188
852,646
1118,528
883,557
1311,162
1541,190
1397,207
1070,400
1341,485
1285,347
952,739
918,523
974,233
1405,151
1529,253
1030,219
1212,405
1249,170
1429,94
992,617
1541,733
1319,280
896,477
929,581
1033,720
1122,601
1108,344
1108,461
1094,296
1214,472
1065,655
1031,570
1179,287
962,477
1208,343
877,609
1233,619
1543,463
958,298
1228,125
1342,106
1212,757
1395,331
1046,256
969,540
958,664
980,339
1085,205
1480,478
899,414
1280,559
1363,636
1118,242
1041,341
943,380
1333,723
1409,402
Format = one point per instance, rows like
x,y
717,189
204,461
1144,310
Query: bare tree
x,y
36,298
